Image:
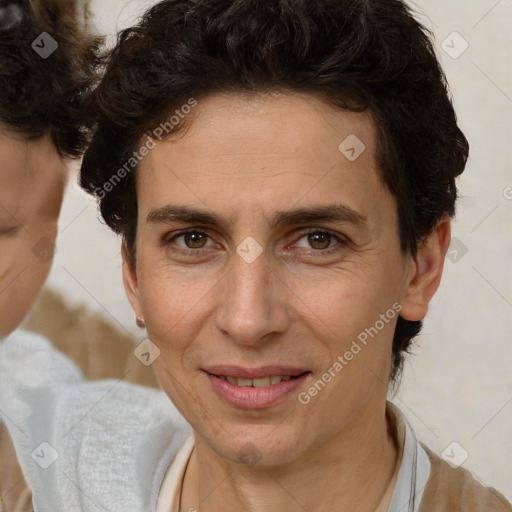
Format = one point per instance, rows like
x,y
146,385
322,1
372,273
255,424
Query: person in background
x,y
48,61
46,66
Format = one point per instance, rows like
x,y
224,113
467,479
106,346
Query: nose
x,y
253,304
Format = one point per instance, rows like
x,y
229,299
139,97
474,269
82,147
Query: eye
x,y
9,231
319,240
192,240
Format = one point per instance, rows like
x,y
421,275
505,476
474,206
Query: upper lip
x,y
254,373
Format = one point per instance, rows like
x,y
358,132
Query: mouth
x,y
255,388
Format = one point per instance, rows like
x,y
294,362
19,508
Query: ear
x,y
426,271
131,285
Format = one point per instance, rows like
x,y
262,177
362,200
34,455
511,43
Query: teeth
x,y
261,383
257,383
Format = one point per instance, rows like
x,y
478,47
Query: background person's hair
x,y
359,55
45,96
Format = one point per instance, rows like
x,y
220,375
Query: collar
x,y
414,470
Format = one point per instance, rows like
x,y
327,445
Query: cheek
x,y
173,306
24,267
344,301
23,286
347,321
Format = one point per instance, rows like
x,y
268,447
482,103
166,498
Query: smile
x,y
257,392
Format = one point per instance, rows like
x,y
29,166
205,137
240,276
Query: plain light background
x,y
457,387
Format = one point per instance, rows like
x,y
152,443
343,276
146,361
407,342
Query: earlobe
x,y
427,269
131,286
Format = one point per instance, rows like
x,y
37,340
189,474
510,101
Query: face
x,y
263,251
32,178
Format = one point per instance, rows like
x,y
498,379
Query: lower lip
x,y
254,398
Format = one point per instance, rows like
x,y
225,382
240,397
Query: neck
x,y
349,472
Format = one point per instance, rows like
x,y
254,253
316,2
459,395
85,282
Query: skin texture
x,y
244,158
32,180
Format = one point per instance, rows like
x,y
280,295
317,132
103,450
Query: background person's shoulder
x,y
106,436
455,489
98,346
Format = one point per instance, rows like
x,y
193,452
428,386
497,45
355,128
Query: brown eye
x,y
195,240
319,241
192,240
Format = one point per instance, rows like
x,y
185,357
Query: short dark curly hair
x,y
45,96
359,55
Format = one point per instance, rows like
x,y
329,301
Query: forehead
x,y
269,127
30,174
264,152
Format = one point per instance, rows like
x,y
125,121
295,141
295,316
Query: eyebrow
x,y
334,213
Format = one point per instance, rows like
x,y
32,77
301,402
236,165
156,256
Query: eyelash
x,y
339,238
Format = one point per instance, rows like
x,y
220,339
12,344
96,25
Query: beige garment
x,y
99,348
15,495
454,490
94,342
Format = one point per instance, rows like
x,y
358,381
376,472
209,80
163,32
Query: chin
x,y
253,448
